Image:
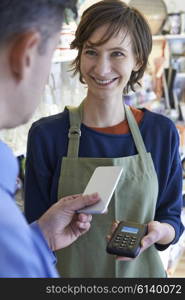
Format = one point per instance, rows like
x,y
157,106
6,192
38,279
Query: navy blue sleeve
x,y
45,148
37,178
170,202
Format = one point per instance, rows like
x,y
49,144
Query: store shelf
x,y
168,37
63,55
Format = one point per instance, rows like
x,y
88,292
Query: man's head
x,y
29,32
117,16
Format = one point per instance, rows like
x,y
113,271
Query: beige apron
x,y
134,200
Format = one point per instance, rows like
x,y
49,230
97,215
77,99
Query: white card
x,y
103,181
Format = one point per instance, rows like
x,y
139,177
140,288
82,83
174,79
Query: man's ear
x,y
22,53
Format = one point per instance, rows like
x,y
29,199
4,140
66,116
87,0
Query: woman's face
x,y
106,69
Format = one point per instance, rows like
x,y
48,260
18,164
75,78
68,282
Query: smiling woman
x,y
106,68
113,42
112,22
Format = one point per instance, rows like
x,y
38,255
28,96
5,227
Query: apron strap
x,y
140,146
75,119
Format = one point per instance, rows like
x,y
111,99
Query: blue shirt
x,y
48,142
23,250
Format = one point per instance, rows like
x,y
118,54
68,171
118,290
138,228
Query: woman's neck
x,y
102,113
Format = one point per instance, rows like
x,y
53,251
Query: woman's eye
x,y
90,52
117,54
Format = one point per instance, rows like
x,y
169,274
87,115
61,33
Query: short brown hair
x,y
117,15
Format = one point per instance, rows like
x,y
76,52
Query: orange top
x,y
122,127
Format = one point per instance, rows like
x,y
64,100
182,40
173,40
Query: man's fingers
x,y
83,226
75,203
84,218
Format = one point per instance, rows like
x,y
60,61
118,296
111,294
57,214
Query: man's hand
x,y
61,225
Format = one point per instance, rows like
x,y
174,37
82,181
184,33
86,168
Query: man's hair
x,y
44,16
118,16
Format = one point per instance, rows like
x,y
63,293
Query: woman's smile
x,y
104,82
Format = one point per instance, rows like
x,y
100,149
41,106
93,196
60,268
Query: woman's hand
x,y
161,233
